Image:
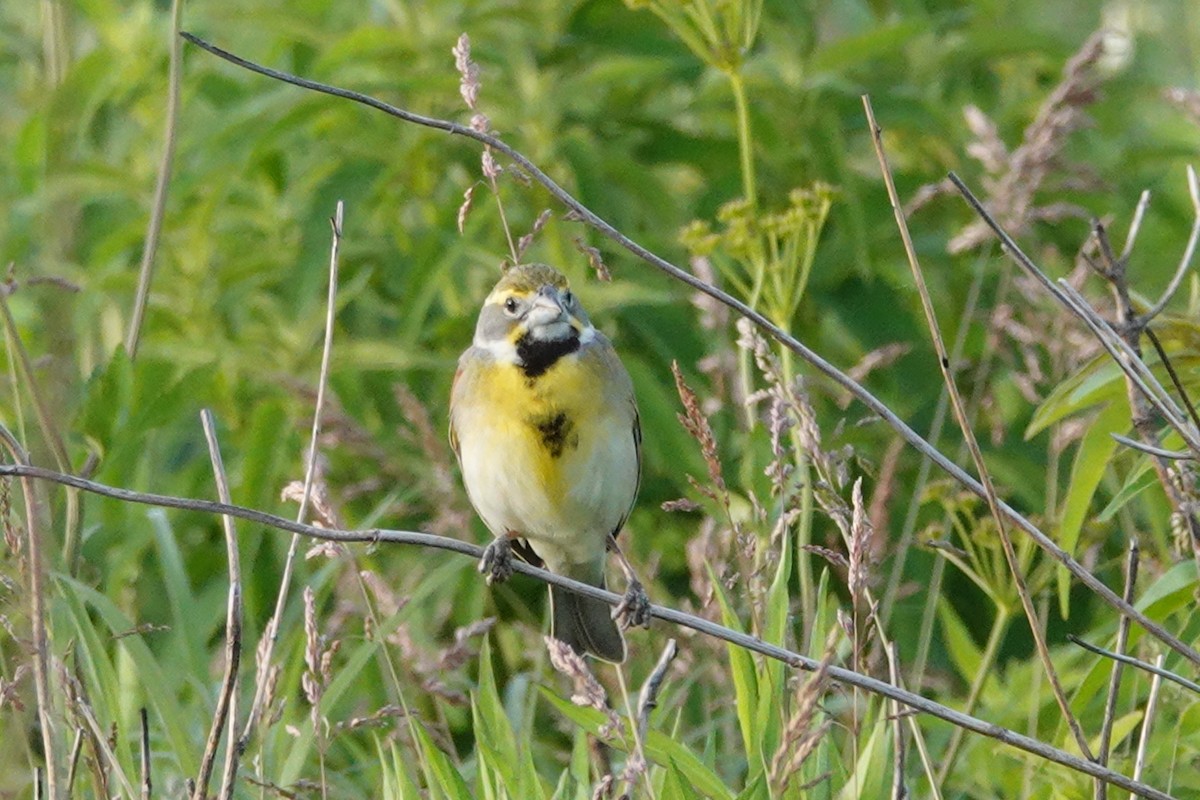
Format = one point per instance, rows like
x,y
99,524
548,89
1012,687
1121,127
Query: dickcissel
x,y
545,426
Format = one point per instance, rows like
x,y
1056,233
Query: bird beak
x,y
546,308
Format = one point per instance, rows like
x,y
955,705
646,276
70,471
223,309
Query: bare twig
x,y
1151,450
1117,347
1135,224
1114,681
1188,251
73,769
474,552
1134,662
1139,763
783,337
37,614
227,699
968,432
147,783
648,696
271,633
899,789
47,423
158,210
1130,363
1174,376
1130,327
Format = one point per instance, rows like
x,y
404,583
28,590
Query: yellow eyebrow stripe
x,y
499,295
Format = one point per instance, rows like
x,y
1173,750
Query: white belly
x,y
565,505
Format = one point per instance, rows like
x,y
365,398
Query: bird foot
x,y
634,609
496,564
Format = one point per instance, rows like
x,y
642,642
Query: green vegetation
x,y
725,135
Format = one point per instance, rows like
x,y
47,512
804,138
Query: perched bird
x,y
545,427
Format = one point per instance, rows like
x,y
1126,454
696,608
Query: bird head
x,y
531,318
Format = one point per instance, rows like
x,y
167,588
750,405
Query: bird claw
x,y
634,609
496,564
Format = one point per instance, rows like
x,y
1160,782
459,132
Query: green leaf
x,y
963,652
660,748
1141,478
843,53
676,786
1099,380
107,401
444,772
757,789
745,678
1091,462
495,737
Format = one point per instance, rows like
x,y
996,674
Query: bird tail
x,y
586,624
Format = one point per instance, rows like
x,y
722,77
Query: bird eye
x,y
510,305
569,299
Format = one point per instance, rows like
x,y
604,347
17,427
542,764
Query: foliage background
x,y
616,108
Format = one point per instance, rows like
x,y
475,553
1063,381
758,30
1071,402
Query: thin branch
x,y
817,362
272,630
648,696
474,552
159,208
72,771
1174,376
1133,662
147,783
1131,363
227,700
38,614
899,789
1135,224
968,432
1114,681
1125,358
1139,763
47,423
1151,450
1188,251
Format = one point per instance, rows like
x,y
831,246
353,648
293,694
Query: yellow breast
x,y
544,422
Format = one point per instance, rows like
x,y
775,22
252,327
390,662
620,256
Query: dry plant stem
x,y
76,752
908,529
1137,663
648,696
899,790
777,333
1139,763
792,659
1131,327
631,773
1114,681
1127,360
99,738
147,784
1151,450
1193,415
46,423
37,614
272,630
987,663
964,424
1188,251
158,210
227,699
